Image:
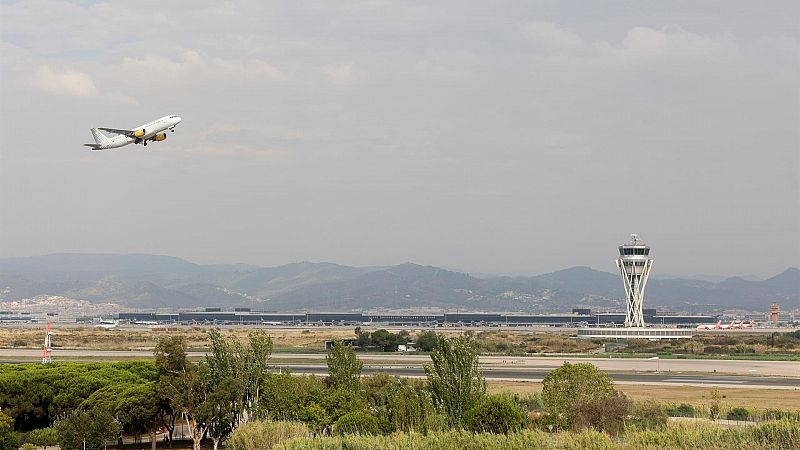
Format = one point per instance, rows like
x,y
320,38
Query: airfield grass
x,y
293,340
513,342
693,395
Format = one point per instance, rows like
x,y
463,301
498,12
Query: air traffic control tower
x,y
634,265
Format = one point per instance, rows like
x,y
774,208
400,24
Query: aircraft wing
x,y
129,133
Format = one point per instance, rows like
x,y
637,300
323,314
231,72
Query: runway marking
x,y
698,380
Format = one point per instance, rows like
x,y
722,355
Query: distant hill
x,y
150,281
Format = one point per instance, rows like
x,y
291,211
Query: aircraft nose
x,y
178,119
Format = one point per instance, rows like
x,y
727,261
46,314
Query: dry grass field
x,y
749,398
146,338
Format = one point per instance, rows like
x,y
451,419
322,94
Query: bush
x,y
576,388
532,401
356,422
738,413
682,410
604,414
649,415
495,414
399,404
264,435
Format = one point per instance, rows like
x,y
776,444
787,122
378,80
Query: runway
x,y
504,374
686,372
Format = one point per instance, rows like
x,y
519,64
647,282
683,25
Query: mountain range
x,y
149,281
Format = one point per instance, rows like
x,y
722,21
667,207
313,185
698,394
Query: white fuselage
x,y
151,129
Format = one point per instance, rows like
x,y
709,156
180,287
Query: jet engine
x,y
160,137
140,133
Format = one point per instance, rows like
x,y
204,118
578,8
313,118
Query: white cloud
x,y
65,82
550,36
340,73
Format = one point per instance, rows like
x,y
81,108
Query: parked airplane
x,y
107,324
145,322
151,131
730,326
710,326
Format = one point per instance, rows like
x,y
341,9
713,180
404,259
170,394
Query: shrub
x,y
495,414
399,404
714,407
649,415
264,435
532,401
356,422
777,414
573,387
738,413
605,414
20,343
682,410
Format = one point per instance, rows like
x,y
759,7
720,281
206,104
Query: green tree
x,y
95,428
8,440
344,367
136,407
385,340
495,414
572,385
171,363
290,398
184,385
455,380
362,338
255,367
427,340
43,437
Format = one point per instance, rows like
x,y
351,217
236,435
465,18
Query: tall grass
x,y
780,434
264,435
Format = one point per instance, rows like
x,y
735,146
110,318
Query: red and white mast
x,y
47,349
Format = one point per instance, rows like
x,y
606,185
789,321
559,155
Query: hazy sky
x,y
500,137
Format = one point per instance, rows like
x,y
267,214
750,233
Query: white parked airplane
x,y
151,131
716,326
107,324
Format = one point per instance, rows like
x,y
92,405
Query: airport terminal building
x,y
579,317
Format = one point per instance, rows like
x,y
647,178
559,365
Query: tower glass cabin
x,y
634,265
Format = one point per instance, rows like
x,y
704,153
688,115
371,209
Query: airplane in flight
x,y
151,131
